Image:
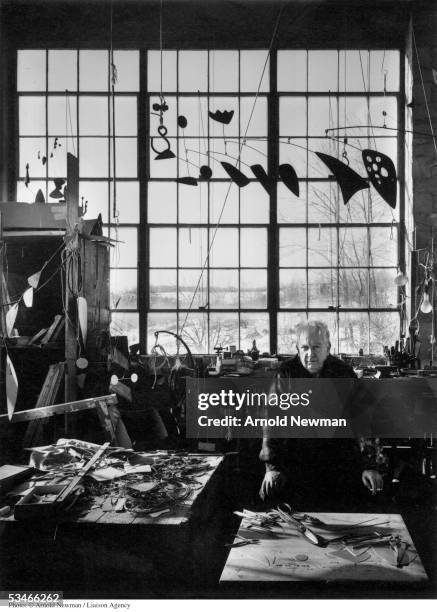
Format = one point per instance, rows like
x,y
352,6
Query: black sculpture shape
x,y
40,199
222,117
263,177
205,173
238,177
165,153
382,174
187,180
289,178
182,121
57,193
349,181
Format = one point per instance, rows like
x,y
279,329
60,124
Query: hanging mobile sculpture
x,y
349,181
382,174
263,177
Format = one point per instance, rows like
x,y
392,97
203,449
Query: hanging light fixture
x,y
401,279
425,305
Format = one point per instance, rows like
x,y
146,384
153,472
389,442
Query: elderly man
x,y
330,462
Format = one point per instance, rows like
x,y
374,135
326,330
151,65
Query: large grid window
x,y
200,254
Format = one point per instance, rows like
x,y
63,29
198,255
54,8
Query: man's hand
x,y
372,480
273,481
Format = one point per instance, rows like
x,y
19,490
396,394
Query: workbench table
x,y
284,555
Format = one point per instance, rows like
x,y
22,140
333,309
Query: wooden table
x,y
101,552
284,555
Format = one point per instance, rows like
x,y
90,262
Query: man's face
x,y
313,350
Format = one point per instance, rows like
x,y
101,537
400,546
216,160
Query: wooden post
x,y
72,200
2,281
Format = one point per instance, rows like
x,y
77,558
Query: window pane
x,y
353,247
162,243
195,331
383,291
253,247
125,254
195,111
223,289
354,70
123,284
191,283
62,70
322,114
292,70
384,64
254,204
162,285
322,202
96,195
384,330
193,203
193,70
224,250
292,116
128,201
223,70
93,71
322,247
383,246
223,202
28,194
379,106
223,329
125,324
292,288
354,288
163,168
29,149
169,59
157,321
322,288
354,332
322,70
162,202
193,247
252,65
287,322
62,116
253,116
125,116
31,70
32,114
93,157
93,116
253,288
126,157
254,326
218,104
57,158
292,247
291,209
128,70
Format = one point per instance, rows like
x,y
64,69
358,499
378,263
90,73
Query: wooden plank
x,y
22,215
68,407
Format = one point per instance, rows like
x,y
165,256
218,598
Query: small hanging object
x,y
426,306
349,181
27,179
289,178
11,387
187,180
44,160
224,117
28,297
82,363
205,173
115,379
57,193
165,153
82,313
160,108
382,174
182,121
39,154
40,199
401,279
11,315
263,177
238,177
34,279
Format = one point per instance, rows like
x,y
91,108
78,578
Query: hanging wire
x,y
424,91
113,77
239,157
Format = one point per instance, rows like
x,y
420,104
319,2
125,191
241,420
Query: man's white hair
x,y
306,326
